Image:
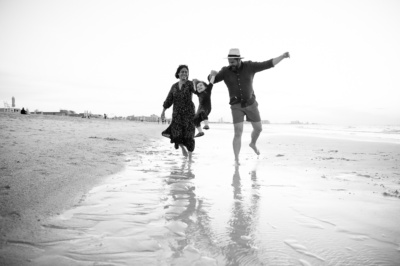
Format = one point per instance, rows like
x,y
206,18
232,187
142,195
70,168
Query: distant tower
x,y
13,102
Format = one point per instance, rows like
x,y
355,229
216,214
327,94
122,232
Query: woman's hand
x,y
163,116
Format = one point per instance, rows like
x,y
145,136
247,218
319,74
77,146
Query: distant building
x,y
10,109
53,113
62,112
67,112
152,118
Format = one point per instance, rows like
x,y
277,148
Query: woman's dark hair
x,y
179,69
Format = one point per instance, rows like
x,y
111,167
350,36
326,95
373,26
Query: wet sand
x,y
306,200
48,164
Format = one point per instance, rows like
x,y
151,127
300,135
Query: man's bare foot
x,y
253,146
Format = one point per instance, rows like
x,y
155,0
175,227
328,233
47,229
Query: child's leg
x,y
197,122
206,124
205,119
201,133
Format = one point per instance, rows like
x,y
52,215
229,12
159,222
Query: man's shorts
x,y
251,112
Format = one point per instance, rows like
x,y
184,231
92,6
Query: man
x,y
238,77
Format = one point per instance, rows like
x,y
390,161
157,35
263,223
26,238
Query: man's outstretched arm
x,y
275,61
218,76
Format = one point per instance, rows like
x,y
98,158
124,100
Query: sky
x,y
119,57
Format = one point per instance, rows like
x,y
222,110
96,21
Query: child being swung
x,y
203,91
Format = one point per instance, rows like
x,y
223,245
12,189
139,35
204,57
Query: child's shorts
x,y
251,112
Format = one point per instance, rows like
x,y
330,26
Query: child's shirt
x,y
205,97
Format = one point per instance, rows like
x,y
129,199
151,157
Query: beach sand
x,y
48,164
105,192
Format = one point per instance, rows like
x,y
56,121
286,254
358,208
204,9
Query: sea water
x,y
164,210
389,133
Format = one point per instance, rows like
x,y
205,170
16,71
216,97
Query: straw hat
x,y
234,53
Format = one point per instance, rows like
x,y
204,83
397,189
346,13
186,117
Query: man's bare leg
x,y
184,151
257,128
237,140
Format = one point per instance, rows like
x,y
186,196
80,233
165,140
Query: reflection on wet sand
x,y
186,217
200,242
241,250
164,210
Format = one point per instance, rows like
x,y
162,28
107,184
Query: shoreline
x,y
49,163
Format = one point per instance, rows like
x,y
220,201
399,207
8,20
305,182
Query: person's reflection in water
x,y
185,207
181,191
241,250
181,205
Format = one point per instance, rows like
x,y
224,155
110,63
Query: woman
x,y
182,128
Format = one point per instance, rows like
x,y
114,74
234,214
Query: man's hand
x,y
276,60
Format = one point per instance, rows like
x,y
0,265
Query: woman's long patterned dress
x,y
182,129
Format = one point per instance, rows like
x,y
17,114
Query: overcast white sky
x,y
119,57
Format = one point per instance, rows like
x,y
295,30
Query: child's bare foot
x,y
254,147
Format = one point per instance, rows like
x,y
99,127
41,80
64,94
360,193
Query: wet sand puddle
x,y
164,210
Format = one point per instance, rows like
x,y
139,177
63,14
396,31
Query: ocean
x,y
317,195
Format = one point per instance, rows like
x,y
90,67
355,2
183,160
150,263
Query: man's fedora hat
x,y
234,53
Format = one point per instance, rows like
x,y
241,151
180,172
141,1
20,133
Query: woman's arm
x,y
168,102
163,114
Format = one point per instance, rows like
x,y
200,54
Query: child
x,y
203,91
